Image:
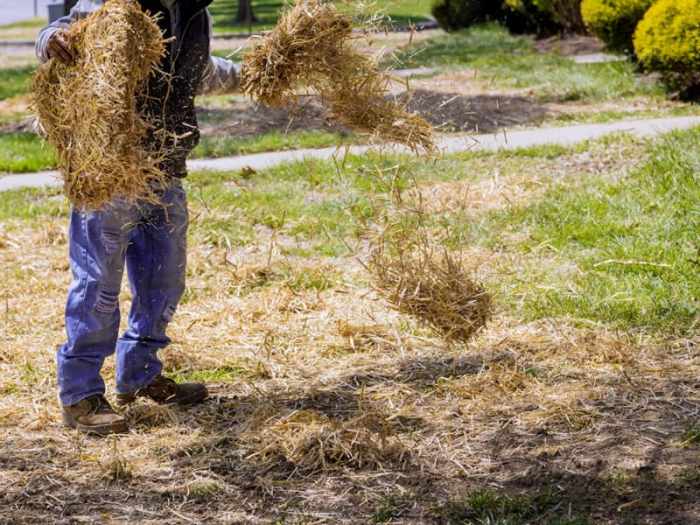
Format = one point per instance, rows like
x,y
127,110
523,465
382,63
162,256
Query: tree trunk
x,y
245,13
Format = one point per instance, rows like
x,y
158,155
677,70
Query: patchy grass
x,y
492,508
329,406
15,81
628,243
221,374
24,153
220,146
401,12
27,152
511,62
586,116
692,436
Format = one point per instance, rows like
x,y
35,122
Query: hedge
x,y
668,40
614,21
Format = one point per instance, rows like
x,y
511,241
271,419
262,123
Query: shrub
x,y
458,14
543,17
526,16
614,21
668,40
565,13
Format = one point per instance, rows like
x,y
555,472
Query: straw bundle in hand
x,y
89,109
312,46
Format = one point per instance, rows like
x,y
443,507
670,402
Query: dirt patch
x,y
245,119
452,112
570,45
26,125
448,112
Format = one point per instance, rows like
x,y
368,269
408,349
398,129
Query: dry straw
x,y
314,442
434,286
312,46
89,109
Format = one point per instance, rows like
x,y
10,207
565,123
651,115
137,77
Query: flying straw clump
x,y
89,109
433,286
312,46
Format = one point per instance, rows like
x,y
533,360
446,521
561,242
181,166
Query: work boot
x,y
165,391
94,415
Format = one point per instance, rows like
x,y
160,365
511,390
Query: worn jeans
x,y
151,242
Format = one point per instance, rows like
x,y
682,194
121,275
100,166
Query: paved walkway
x,y
506,140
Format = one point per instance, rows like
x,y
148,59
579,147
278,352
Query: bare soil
x,y
448,112
570,45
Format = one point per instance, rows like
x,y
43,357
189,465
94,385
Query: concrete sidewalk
x,y
505,140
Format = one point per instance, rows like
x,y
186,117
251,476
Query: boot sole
x,y
96,430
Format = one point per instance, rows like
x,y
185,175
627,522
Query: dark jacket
x,y
169,99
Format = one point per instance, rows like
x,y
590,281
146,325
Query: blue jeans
x,y
151,242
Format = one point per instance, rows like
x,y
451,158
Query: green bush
x,y
542,17
526,16
614,21
458,14
565,13
668,40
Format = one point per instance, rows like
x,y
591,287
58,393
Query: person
x,y
149,240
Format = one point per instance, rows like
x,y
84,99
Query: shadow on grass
x,y
539,476
549,475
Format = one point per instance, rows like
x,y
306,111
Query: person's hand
x,y
60,48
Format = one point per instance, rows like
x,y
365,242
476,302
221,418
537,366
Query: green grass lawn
x,y
615,248
633,240
27,152
24,153
508,61
214,147
224,12
621,249
267,12
22,30
15,81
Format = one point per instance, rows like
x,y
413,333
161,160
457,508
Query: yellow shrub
x,y
614,21
668,38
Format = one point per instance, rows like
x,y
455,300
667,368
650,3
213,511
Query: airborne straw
x,y
89,109
311,46
434,287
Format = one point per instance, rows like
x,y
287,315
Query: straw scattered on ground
x,y
89,110
556,420
312,47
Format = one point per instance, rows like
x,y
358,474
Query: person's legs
x,y
97,247
156,263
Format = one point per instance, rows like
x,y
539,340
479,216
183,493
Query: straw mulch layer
x,y
89,109
313,442
312,47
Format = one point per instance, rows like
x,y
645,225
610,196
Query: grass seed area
x,y
330,406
